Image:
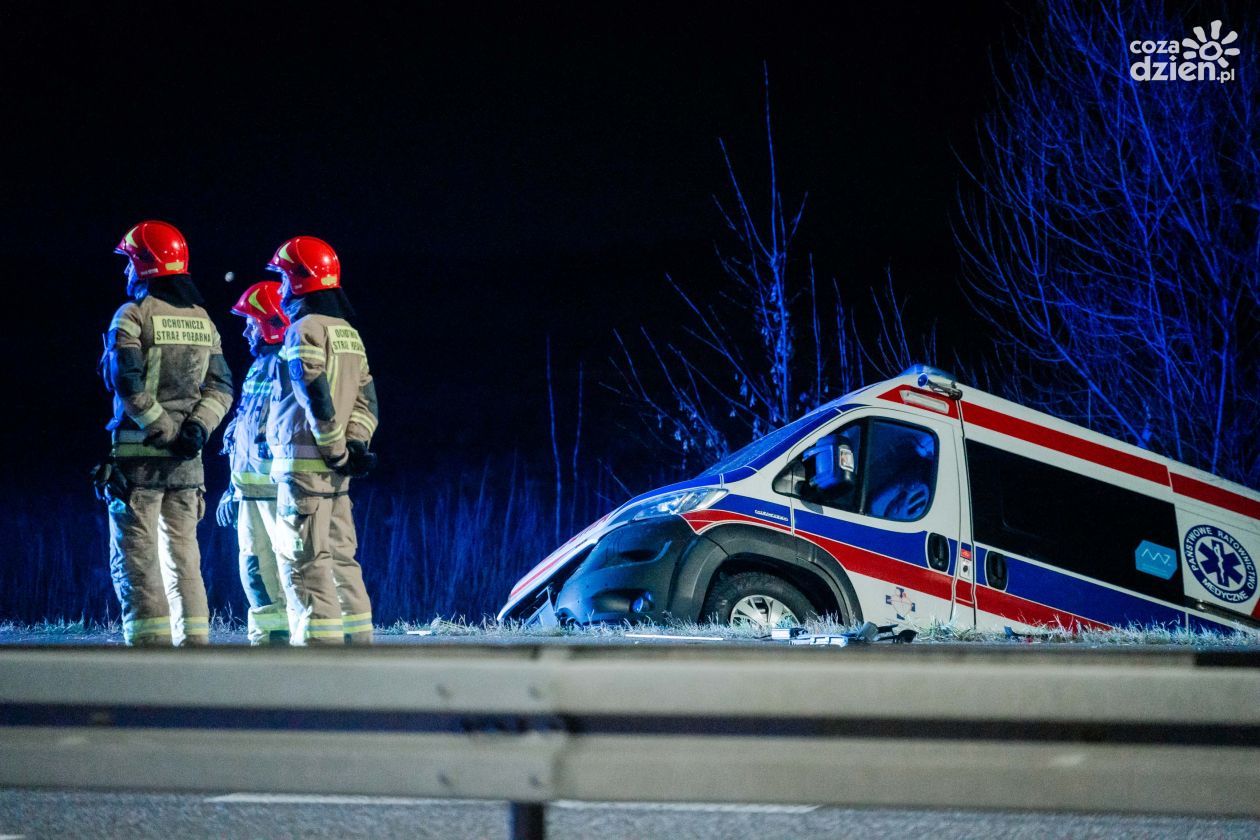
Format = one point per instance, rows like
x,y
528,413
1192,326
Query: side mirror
x,y
833,462
791,481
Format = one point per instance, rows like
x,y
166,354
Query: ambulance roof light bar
x,y
935,379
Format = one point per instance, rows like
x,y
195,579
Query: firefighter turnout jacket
x,y
245,439
324,397
164,364
249,459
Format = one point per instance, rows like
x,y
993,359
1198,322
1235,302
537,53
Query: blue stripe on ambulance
x,y
1199,624
908,547
1083,597
1030,581
747,505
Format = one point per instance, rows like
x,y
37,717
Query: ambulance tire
x,y
761,588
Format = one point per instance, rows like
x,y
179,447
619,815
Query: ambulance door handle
x,y
938,552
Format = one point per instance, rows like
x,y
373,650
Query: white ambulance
x,y
917,500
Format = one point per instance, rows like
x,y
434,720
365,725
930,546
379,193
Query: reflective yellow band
x,y
155,633
325,622
153,371
325,634
214,408
334,365
144,623
364,419
149,417
269,620
280,466
326,438
139,450
310,354
252,478
141,627
125,326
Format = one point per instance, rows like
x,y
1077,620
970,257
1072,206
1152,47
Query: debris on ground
x,y
867,634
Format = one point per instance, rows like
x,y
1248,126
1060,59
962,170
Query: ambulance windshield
x,y
773,443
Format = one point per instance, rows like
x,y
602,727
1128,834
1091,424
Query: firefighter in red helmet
x,y
249,503
164,364
322,418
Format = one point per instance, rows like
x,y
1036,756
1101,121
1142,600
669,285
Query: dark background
x,y
489,174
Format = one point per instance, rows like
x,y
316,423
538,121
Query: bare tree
x,y
769,346
1111,235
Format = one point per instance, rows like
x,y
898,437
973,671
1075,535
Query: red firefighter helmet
x,y
261,302
307,264
155,249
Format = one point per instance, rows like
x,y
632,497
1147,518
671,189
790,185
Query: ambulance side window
x,y
839,495
894,475
900,471
1069,519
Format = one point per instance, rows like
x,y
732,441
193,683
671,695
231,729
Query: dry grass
x,y
493,631
930,634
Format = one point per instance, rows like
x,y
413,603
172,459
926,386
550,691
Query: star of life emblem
x,y
901,603
1220,563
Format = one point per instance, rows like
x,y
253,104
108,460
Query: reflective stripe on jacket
x,y
161,359
324,397
244,440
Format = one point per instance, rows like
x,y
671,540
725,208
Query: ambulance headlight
x,y
672,504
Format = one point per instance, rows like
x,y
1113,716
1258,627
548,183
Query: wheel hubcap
x,y
762,611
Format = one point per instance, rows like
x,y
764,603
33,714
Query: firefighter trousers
x,y
260,574
315,546
156,566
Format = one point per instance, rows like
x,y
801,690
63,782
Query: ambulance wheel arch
x,y
753,550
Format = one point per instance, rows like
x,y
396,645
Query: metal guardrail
x,y
1060,729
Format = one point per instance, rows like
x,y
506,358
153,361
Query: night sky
x,y
490,175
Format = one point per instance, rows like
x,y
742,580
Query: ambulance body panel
x,y
917,501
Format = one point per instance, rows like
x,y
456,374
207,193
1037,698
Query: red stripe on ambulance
x,y
850,557
900,573
1185,486
1030,612
1086,450
1096,453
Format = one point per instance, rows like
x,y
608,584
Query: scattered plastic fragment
x,y
1027,638
864,635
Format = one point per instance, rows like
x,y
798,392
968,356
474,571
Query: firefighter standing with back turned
x,y
321,421
164,364
249,503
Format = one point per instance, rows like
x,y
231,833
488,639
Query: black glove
x,y
359,461
108,482
192,436
225,514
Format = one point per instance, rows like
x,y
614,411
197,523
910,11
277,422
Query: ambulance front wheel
x,y
757,600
